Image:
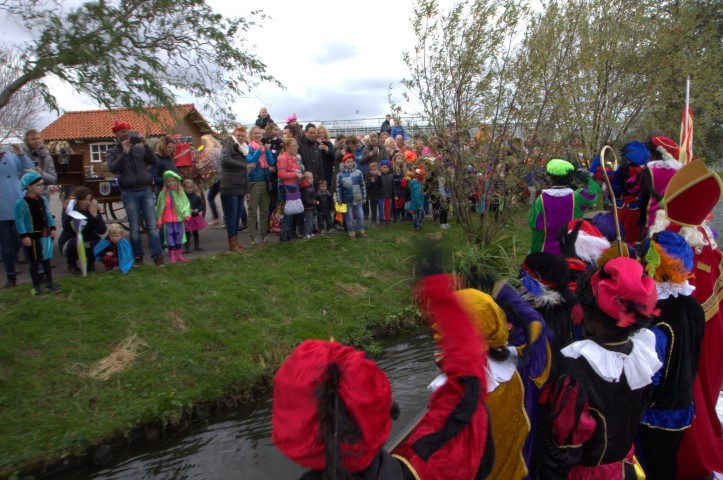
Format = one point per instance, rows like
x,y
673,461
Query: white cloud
x,y
335,60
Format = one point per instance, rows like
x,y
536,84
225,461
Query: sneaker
x,y
362,234
36,291
351,234
52,287
307,237
138,261
325,232
243,227
73,269
214,222
158,260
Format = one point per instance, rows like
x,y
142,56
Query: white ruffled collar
x,y
639,365
497,372
669,289
558,192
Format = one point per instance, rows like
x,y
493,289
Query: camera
x,y
134,138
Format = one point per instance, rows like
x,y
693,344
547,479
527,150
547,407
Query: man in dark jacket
x,y
387,125
310,152
129,158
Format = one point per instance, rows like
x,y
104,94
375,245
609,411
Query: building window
x,y
97,150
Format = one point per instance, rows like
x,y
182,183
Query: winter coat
x,y
416,195
132,167
42,158
233,169
263,122
308,195
398,131
386,185
259,174
164,164
287,167
368,158
196,203
12,168
92,231
350,186
311,156
326,202
374,185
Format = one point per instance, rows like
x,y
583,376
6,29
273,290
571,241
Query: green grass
x,y
212,328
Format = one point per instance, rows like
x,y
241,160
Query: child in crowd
x,y
352,192
308,198
603,383
197,221
172,209
386,193
289,171
373,185
325,209
114,251
399,171
36,229
416,197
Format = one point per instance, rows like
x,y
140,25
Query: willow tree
x,y
452,71
132,53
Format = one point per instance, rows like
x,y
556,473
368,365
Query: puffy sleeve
x,y
571,425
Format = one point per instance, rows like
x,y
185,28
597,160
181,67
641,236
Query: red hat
x,y
590,243
120,125
363,388
667,147
348,156
420,173
692,194
291,118
626,286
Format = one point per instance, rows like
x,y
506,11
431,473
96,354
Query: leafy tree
x,y
133,53
453,78
22,112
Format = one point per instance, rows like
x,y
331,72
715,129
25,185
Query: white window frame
x,y
96,151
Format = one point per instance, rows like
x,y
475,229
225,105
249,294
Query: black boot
x,y
196,245
12,277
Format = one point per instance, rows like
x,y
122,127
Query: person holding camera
x,y
43,162
129,159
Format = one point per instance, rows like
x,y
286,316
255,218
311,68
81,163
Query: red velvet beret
x,y
626,284
120,125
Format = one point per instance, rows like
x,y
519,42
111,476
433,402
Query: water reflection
x,y
239,446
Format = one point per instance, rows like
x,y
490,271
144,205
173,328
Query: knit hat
x,y
291,118
171,174
362,390
627,292
120,125
30,178
692,194
545,279
385,162
347,156
559,168
589,243
637,153
668,149
486,316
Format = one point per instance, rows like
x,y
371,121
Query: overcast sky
x,y
335,63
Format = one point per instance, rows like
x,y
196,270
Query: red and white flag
x,y
686,129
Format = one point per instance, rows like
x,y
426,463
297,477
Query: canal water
x,y
238,446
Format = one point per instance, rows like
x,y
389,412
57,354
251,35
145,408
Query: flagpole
x,y
687,109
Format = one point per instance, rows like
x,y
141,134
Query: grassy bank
x,y
192,333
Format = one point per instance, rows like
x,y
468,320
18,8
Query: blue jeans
x,y
418,216
308,222
212,193
354,211
137,204
233,208
9,245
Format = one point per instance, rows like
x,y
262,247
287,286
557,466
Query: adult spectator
x,y
264,119
165,152
294,127
373,152
13,164
310,151
81,201
260,164
213,148
397,129
234,184
42,160
327,153
386,125
130,158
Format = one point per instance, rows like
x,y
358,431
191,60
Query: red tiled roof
x,y
97,123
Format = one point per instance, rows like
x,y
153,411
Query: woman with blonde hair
x,y
212,147
260,164
327,152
